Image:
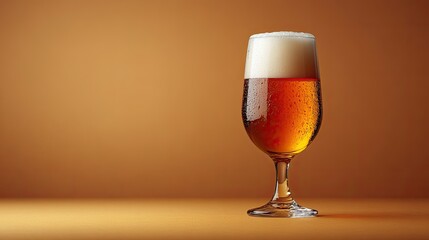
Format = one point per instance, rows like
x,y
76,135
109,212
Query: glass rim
x,y
283,34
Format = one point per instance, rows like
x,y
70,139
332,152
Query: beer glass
x,y
282,108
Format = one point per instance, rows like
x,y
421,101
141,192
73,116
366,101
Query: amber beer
x,y
282,115
282,107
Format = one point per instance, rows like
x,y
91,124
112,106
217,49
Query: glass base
x,y
285,210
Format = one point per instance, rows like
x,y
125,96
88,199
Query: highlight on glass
x,y
282,108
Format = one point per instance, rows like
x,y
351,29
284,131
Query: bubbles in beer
x,y
282,115
282,104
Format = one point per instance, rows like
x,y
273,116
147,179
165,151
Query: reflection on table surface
x,y
209,219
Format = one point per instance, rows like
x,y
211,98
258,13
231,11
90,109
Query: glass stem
x,y
282,192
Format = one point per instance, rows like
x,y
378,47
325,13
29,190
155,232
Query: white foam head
x,y
281,55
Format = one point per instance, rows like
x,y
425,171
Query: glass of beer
x,y
282,108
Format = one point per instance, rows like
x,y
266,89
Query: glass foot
x,y
286,210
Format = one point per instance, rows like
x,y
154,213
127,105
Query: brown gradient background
x,y
143,98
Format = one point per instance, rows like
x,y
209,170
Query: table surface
x,y
210,219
